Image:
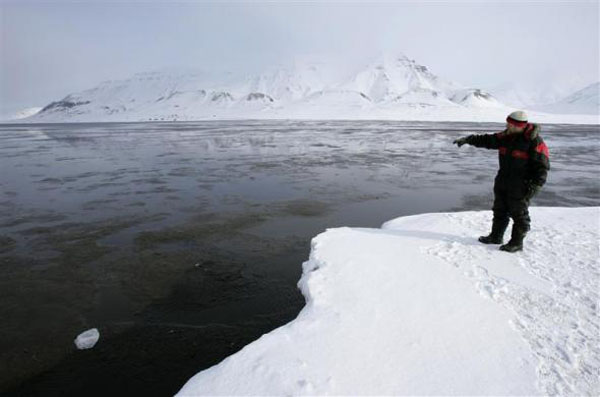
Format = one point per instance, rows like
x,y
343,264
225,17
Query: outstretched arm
x,y
488,141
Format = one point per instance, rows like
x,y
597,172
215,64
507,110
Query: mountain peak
x,y
391,81
391,58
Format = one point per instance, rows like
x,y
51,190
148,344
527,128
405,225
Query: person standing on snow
x,y
524,165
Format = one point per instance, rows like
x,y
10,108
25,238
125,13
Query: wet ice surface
x,y
183,226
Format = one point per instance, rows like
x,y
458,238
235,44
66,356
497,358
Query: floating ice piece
x,y
87,339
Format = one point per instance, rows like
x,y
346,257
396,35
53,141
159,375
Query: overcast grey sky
x,y
49,49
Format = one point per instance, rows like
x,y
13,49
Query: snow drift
x,y
420,307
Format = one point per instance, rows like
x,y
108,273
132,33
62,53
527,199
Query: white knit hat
x,y
519,116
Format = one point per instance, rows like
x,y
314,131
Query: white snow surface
x,y
87,339
419,307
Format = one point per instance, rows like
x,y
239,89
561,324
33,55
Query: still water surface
x,y
182,242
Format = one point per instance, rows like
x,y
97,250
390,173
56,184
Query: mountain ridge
x,y
390,86
387,81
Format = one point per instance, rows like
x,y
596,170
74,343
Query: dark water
x,y
182,242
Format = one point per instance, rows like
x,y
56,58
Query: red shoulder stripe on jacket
x,y
543,149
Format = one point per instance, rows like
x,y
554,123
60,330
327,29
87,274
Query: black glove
x,y
461,141
532,190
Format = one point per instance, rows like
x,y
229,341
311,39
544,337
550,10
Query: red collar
x,y
528,130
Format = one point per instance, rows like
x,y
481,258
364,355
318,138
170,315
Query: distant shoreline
x,y
20,122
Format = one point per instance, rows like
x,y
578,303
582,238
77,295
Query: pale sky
x,y
49,49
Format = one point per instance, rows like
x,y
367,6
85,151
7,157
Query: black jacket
x,y
524,158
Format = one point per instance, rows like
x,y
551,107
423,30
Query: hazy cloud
x,y
49,49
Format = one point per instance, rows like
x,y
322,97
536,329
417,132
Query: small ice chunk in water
x,y
87,339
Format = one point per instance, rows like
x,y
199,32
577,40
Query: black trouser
x,y
511,204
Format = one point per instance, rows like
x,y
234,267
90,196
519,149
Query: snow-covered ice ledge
x,y
420,307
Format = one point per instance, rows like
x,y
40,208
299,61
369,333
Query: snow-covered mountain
x,y
388,87
584,101
290,82
399,79
150,95
523,94
541,92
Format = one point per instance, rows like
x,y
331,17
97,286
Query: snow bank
x,y
420,307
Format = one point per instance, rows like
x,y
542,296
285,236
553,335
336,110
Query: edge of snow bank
x,y
371,325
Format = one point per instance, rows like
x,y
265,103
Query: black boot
x,y
516,241
497,234
490,239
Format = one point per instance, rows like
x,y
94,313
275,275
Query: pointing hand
x,y
460,141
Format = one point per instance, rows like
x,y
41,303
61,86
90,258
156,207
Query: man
x,y
524,165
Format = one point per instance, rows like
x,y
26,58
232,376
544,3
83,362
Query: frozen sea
x,y
182,242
